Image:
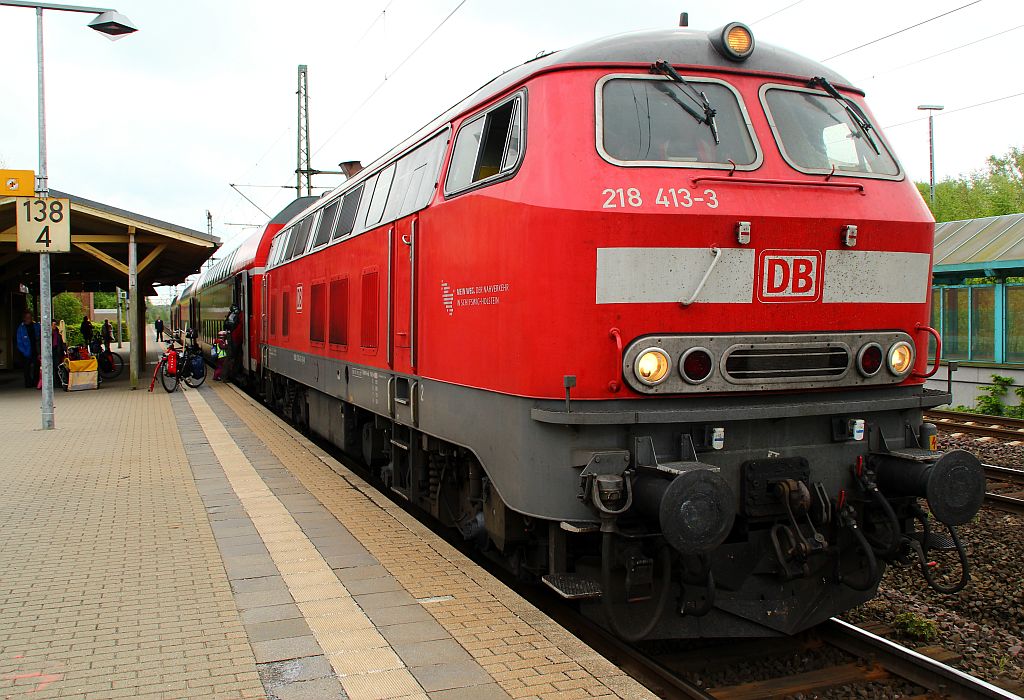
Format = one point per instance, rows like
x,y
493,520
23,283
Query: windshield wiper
x,y
698,97
852,108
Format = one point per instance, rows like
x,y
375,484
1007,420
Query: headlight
x,y
651,366
901,358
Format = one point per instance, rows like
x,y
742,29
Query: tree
x,y
994,191
104,300
67,308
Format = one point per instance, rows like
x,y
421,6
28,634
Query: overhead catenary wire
x,y
779,11
387,76
900,31
942,53
947,112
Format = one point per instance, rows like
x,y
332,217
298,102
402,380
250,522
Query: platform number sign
x,y
44,225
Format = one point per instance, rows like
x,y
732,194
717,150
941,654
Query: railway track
x,y
866,658
999,427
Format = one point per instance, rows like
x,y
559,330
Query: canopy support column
x,y
134,336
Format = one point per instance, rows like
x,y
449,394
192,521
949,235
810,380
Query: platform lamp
x,y
931,109
114,25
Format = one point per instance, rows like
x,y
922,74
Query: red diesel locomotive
x,y
645,319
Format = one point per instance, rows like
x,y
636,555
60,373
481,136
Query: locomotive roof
x,y
680,47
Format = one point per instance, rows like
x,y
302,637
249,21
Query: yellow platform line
x,y
362,659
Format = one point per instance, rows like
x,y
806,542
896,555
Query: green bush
x,y
915,626
992,404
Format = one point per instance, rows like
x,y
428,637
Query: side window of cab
x,y
489,146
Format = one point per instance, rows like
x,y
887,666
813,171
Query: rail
x,y
909,664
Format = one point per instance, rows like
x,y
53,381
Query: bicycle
x,y
110,363
177,365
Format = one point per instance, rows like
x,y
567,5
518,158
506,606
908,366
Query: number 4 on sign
x,y
44,225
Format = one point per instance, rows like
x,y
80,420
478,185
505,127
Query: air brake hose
x,y
607,551
872,578
893,547
922,553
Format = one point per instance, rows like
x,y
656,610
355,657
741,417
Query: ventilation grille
x,y
787,362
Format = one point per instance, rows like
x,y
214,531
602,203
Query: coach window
x,y
817,135
375,212
326,225
649,120
347,216
489,147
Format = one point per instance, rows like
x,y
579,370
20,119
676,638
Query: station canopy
x,y
99,259
988,247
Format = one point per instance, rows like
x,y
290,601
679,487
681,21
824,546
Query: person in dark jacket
x,y
86,329
158,325
58,346
28,341
108,335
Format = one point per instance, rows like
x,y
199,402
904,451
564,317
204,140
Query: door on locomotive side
x,y
403,292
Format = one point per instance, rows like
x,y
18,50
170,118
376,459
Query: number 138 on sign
x,y
44,225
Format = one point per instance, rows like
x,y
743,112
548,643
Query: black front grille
x,y
822,362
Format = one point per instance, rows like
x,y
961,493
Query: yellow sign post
x,y
44,225
17,183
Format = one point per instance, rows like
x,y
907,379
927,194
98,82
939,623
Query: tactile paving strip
x,y
369,675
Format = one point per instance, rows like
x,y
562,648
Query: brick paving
x,y
111,582
525,653
193,545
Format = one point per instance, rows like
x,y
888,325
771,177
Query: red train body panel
x,y
611,313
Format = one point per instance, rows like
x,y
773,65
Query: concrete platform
x,y
193,545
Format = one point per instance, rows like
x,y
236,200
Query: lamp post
x,y
114,25
931,109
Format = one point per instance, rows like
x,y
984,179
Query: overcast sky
x,y
204,94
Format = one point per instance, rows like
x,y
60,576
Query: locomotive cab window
x,y
817,134
650,120
488,147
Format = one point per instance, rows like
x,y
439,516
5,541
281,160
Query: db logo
x,y
789,275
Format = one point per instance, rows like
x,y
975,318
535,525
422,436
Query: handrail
x,y
780,182
717,252
938,349
616,335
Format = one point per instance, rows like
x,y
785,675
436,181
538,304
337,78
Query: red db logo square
x,y
789,275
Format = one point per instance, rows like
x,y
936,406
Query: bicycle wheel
x,y
63,374
111,366
168,380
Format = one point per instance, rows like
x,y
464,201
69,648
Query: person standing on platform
x,y
233,326
57,345
28,340
86,329
107,334
159,326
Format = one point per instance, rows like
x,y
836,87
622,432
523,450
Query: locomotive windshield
x,y
817,133
644,121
